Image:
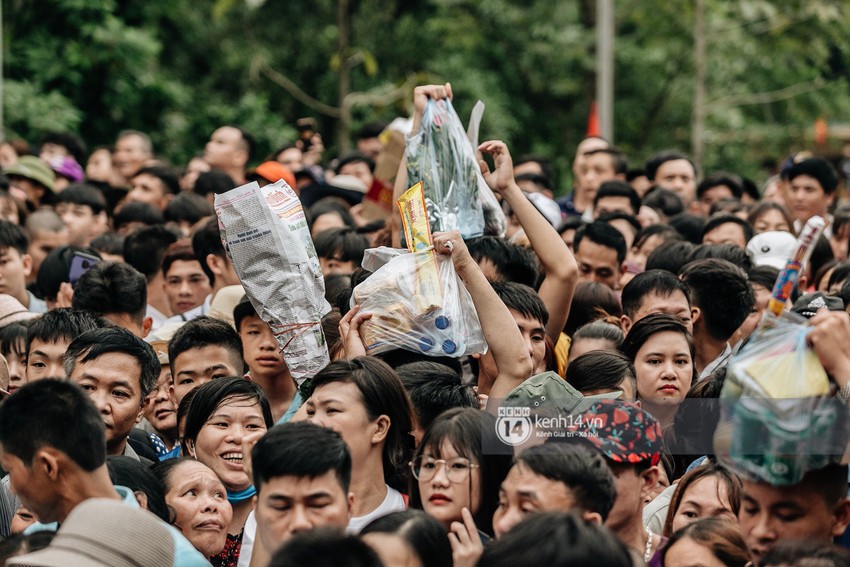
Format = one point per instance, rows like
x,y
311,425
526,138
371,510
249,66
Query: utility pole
x,y
605,67
698,117
344,26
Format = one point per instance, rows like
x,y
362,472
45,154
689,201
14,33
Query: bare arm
x,y
558,287
500,329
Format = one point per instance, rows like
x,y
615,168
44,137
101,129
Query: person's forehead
x,y
599,160
110,367
525,479
591,252
767,496
227,134
727,229
129,142
294,487
185,268
204,357
675,167
53,348
146,179
806,181
589,145
657,303
524,322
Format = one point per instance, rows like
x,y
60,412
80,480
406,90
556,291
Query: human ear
x,y
382,429
649,480
625,323
48,463
696,313
592,518
842,517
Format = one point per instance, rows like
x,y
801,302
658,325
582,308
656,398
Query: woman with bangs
x,y
456,483
225,416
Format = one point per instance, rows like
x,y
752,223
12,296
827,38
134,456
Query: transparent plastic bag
x,y
443,159
419,303
778,420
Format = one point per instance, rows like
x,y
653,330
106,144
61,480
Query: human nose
x,y
669,371
210,504
55,370
300,522
98,398
762,530
504,522
441,474
185,289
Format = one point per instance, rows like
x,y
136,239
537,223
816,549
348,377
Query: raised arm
x,y
558,287
500,329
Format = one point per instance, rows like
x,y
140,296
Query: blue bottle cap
x,y
425,344
449,346
442,322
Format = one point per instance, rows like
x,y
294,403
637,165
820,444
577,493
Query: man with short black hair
x,y
674,171
717,187
230,149
265,363
117,370
200,351
501,260
47,232
433,388
16,265
118,293
48,338
655,291
155,185
600,250
53,467
721,299
144,250
302,473
581,198
555,476
726,228
816,508
615,196
83,210
811,189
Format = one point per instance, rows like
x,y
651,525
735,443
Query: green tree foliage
x,y
180,68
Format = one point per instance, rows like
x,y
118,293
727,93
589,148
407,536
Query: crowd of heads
x,y
136,368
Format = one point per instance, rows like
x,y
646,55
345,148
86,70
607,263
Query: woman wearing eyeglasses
x,y
456,483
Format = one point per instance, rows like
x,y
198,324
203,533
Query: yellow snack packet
x,y
783,375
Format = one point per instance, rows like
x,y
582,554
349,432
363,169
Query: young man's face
x,y
769,514
806,198
713,195
223,149
675,304
726,233
597,263
197,366
533,334
83,225
113,382
524,492
14,269
289,505
186,285
613,204
261,351
43,243
678,176
594,170
45,359
147,188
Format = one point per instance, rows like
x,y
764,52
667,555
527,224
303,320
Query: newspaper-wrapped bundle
x,y
265,233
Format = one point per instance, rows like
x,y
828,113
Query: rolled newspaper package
x,y
265,233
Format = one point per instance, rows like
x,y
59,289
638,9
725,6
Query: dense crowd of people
x,y
149,417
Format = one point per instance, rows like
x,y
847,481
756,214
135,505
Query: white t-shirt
x,y
393,502
249,534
